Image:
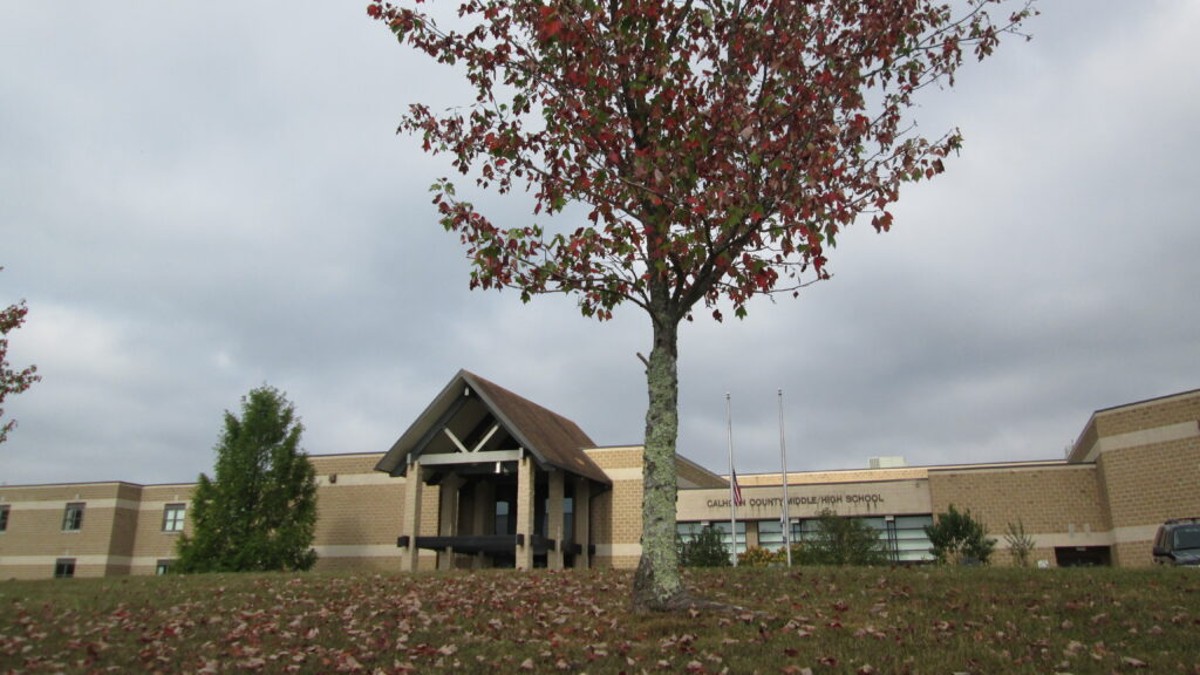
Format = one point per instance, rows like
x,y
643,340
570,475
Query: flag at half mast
x,y
736,488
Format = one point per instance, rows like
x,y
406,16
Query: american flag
x,y
737,489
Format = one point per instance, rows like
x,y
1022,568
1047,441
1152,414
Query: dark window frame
x,y
64,568
73,516
5,509
174,516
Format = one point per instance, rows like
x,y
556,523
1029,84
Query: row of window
x,y
173,517
64,568
904,536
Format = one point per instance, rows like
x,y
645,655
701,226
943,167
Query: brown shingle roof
x,y
552,439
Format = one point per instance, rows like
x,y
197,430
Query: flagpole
x,y
732,480
786,520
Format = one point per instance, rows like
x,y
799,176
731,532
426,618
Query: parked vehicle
x,y
1178,542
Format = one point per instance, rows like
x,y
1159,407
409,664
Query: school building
x,y
486,478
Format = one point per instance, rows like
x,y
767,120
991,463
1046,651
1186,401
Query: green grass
x,y
836,620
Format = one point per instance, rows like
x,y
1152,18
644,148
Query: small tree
x,y
12,381
845,541
259,510
705,550
1020,545
958,538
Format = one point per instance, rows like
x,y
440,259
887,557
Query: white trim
x,y
35,560
451,459
940,471
1135,533
359,551
162,505
618,550
631,473
88,504
1066,539
1132,534
1134,439
357,479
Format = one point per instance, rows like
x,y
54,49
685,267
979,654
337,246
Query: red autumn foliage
x,y
719,148
12,381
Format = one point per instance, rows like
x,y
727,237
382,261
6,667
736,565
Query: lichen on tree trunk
x,y
657,584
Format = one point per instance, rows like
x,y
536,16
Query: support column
x,y
448,518
554,520
525,510
583,521
414,483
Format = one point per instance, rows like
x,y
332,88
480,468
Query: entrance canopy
x,y
514,483
474,423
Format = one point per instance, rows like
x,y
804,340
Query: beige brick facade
x,y
1132,467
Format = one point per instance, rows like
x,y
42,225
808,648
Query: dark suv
x,y
1178,542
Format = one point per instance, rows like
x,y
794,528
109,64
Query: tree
x,y
719,146
707,549
958,538
259,509
845,541
12,381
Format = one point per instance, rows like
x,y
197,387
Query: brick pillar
x,y
554,520
411,527
448,517
583,519
525,510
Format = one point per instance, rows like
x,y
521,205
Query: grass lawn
x,y
823,620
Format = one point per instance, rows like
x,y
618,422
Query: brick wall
x,y
151,543
617,512
1148,460
1150,414
1146,485
35,538
1045,500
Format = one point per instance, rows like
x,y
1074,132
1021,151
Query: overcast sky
x,y
199,198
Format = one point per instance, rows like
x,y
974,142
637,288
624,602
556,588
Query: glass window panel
x,y
73,516
723,528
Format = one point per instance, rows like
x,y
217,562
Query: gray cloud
x,y
197,200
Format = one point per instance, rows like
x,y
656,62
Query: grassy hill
x,y
835,620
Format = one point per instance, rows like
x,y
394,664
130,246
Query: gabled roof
x,y
469,404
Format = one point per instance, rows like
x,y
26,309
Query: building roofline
x,y
1156,399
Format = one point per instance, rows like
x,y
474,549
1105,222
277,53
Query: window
x,y
4,517
502,519
73,517
688,531
64,568
723,528
770,534
173,517
904,536
162,567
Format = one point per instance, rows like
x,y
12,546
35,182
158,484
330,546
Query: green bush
x,y
706,550
959,539
757,556
844,541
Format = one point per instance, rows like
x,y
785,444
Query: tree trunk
x,y
657,584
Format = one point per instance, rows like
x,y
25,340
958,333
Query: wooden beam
x,y
447,459
486,438
454,439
